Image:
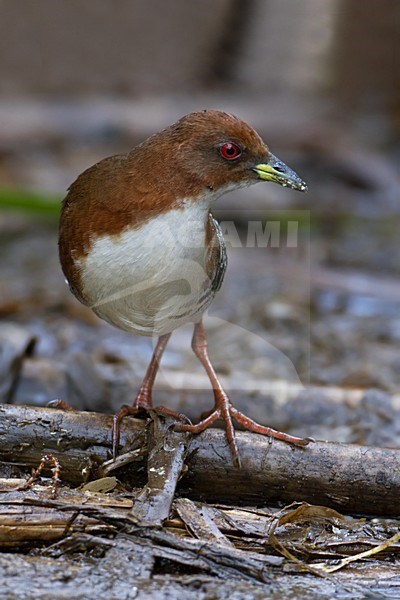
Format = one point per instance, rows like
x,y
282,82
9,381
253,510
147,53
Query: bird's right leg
x,y
144,400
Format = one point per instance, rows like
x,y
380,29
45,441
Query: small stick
x,y
56,470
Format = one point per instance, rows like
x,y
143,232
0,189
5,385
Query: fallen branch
x,y
81,441
350,478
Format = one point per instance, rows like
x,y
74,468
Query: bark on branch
x,y
350,478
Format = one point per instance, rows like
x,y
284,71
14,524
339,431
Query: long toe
x,y
230,432
124,411
254,427
201,426
167,412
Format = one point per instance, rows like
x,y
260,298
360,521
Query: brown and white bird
x,y
139,245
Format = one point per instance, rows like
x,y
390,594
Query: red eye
x,y
230,151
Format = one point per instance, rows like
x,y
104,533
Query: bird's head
x,y
223,152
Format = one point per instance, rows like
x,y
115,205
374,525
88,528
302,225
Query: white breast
x,y
151,280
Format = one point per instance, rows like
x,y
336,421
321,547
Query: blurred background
x,y
320,81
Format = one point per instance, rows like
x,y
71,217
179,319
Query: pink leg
x,y
223,408
143,400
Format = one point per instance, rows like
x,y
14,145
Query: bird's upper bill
x,y
275,170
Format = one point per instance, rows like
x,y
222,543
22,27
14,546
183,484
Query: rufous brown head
x,y
218,150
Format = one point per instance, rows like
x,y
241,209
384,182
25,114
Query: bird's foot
x,y
140,405
228,413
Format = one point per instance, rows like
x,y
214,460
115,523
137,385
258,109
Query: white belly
x,y
151,280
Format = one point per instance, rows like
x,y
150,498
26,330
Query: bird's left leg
x,y
223,408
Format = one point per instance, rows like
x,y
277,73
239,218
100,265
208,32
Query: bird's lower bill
x,y
276,171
